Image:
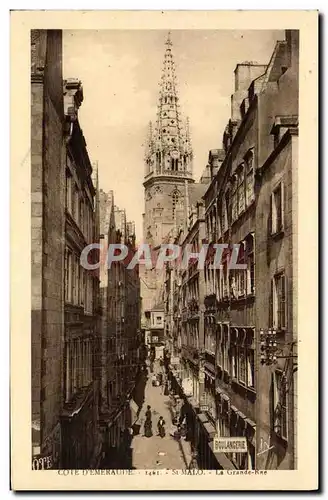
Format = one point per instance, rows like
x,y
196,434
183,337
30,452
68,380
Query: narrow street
x,y
156,452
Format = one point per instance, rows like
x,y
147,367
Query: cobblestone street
x,y
155,452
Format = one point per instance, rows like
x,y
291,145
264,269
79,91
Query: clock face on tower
x,y
175,154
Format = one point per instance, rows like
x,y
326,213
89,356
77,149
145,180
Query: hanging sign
x,y
230,445
175,361
187,386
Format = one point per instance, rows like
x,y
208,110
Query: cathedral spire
x,y
171,153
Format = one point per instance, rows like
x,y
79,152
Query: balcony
x,y
211,304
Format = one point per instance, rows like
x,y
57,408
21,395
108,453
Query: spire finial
x,y
168,42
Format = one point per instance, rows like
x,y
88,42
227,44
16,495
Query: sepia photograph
x,y
164,251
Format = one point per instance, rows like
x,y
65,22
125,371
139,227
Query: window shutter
x,y
271,313
284,298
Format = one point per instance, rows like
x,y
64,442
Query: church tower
x,y
168,161
168,173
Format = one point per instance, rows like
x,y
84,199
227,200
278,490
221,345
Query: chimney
x,y
215,160
245,73
73,97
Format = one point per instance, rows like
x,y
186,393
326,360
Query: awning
x,y
202,417
225,397
241,415
222,459
250,422
210,429
234,409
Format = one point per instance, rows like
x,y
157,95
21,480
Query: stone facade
x,y
247,385
81,371
64,309
47,251
120,325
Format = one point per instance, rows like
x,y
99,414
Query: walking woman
x,y
160,427
148,423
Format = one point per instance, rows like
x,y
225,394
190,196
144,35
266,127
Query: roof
x,y
196,192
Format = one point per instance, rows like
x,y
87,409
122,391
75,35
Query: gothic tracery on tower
x,y
169,150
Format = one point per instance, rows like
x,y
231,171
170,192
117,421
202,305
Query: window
x,y
234,199
68,276
249,160
219,219
233,361
225,211
280,404
78,365
249,242
242,366
241,189
175,200
250,368
68,191
277,210
279,301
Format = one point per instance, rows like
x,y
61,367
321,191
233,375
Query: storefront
x,y
233,423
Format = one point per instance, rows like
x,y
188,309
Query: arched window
x,y
175,201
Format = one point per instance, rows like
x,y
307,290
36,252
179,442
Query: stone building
x,y
47,246
64,315
243,356
251,202
80,438
276,268
120,327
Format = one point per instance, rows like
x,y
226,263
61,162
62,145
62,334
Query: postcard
x,y
164,328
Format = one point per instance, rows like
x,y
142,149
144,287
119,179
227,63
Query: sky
x,y
120,72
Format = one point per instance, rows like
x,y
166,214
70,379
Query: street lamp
x,y
270,348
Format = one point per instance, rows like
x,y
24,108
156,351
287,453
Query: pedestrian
x,y
193,463
148,423
160,427
177,433
153,380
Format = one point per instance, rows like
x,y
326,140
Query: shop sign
x,y
175,361
230,445
154,339
187,386
203,407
